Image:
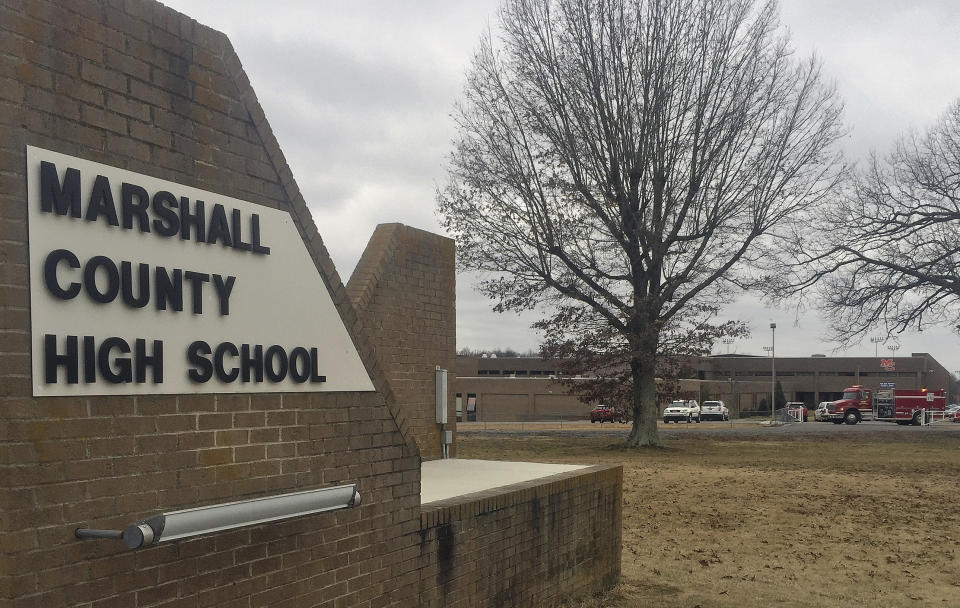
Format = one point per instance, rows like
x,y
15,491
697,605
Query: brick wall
x,y
521,399
531,544
135,85
404,291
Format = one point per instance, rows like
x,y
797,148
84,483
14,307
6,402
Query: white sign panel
x,y
143,286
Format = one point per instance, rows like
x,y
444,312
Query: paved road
x,y
735,429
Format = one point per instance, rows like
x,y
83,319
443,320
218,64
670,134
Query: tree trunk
x,y
644,432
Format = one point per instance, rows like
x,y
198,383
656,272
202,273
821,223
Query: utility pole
x,y
876,340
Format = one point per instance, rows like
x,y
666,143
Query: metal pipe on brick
x,y
215,518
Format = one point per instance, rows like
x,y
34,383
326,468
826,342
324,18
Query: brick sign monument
x,y
184,371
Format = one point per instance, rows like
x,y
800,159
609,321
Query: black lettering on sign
x,y
224,289
255,235
103,282
111,360
169,288
167,222
143,361
109,294
300,365
164,213
89,360
50,273
197,354
223,374
58,198
197,220
196,280
315,366
237,232
143,280
134,201
124,372
101,202
275,363
53,360
219,228
251,364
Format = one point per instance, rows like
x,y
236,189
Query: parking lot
x,y
743,428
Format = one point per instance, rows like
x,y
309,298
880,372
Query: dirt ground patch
x,y
806,521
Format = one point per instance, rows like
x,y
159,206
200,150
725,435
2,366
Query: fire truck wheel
x,y
851,417
916,419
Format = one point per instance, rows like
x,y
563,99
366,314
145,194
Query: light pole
x,y
733,398
773,368
893,348
769,349
728,342
876,340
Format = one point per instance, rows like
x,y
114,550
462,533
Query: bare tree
x,y
622,161
593,358
888,256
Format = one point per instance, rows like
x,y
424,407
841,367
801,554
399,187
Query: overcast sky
x,y
359,95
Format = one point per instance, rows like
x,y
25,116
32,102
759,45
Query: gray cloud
x,y
359,95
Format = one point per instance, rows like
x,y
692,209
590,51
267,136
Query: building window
x,y
471,407
482,372
459,407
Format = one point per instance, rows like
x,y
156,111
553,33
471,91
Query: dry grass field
x,y
814,520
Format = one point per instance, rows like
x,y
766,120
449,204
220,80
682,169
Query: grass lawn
x,y
803,521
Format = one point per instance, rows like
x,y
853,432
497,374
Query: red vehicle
x,y
605,413
798,409
902,406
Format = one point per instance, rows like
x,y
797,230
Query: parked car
x,y
714,410
799,410
820,415
605,413
682,409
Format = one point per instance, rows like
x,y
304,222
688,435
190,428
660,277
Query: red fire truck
x,y
892,405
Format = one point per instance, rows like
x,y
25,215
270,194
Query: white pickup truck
x,y
682,409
